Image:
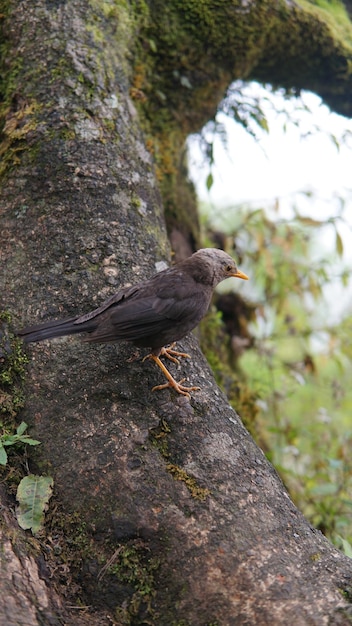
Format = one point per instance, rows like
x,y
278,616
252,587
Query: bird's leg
x,y
184,391
171,354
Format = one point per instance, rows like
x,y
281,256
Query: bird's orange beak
x,y
240,274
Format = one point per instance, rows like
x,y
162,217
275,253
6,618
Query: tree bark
x,y
165,511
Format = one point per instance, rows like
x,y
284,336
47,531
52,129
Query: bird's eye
x,y
229,268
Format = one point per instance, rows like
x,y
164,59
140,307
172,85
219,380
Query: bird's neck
x,y
201,273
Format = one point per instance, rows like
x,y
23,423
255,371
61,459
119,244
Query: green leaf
x,y
3,455
345,276
263,123
335,141
21,428
33,495
185,82
30,442
347,548
209,181
152,45
339,244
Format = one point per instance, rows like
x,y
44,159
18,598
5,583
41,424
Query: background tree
x,y
290,354
164,511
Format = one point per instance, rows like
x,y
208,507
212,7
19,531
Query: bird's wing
x,y
161,285
151,311
131,320
138,319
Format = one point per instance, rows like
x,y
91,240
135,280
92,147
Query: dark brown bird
x,y
153,313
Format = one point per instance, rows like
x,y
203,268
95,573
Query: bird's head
x,y
217,265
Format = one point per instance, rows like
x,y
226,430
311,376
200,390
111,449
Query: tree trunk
x,y
164,510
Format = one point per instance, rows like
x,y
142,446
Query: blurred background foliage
x,y
282,350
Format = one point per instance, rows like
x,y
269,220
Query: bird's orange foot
x,y
173,384
171,354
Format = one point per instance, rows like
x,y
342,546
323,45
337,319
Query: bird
x,y
153,313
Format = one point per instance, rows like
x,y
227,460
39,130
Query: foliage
x,y
243,107
33,492
298,366
33,495
14,439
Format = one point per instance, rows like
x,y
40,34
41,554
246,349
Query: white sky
x,y
283,165
280,163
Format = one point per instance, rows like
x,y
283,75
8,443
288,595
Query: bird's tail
x,y
57,328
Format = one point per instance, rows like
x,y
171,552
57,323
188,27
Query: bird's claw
x,y
172,383
171,354
177,386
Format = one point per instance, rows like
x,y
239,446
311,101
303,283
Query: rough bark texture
x,y
165,512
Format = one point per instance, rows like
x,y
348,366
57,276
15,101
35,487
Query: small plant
x,y
14,439
33,492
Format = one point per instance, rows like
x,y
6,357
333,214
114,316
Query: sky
x,y
279,163
294,163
